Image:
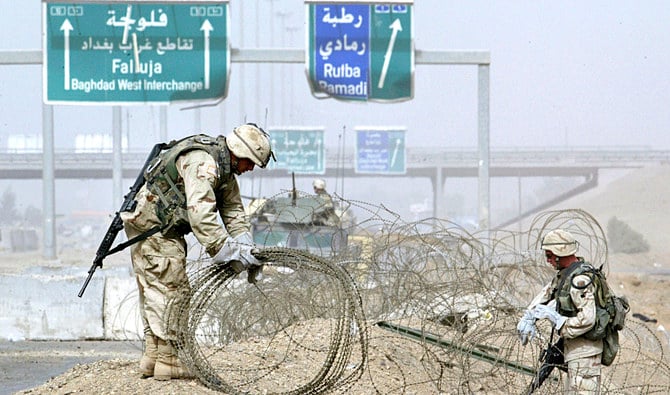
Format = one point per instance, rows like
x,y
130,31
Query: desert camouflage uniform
x,y
326,214
159,262
582,355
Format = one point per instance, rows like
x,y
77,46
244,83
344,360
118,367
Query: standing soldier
x,y
568,301
188,187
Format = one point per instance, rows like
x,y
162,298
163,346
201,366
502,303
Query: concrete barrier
x,y
23,240
42,304
121,310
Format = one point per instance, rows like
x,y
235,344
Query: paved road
x,y
28,364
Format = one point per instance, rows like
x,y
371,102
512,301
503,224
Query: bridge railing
x,y
417,157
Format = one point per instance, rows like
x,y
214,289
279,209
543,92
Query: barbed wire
x,y
389,307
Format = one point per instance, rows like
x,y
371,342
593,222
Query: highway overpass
x,y
437,164
421,162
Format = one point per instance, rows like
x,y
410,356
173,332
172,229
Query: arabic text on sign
x,y
162,46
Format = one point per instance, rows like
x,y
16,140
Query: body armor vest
x,y
563,299
564,302
163,180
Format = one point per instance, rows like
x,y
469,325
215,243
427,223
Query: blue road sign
x,y
298,149
361,51
135,52
380,150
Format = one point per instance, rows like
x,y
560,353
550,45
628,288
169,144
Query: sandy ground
x,y
30,363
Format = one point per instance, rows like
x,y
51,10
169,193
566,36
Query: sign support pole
x,y
48,184
117,171
484,149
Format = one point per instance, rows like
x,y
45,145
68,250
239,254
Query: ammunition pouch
x,y
599,329
175,220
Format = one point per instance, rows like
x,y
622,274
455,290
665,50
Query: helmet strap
x,y
234,164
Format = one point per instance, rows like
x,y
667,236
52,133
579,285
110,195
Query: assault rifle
x,y
551,357
115,227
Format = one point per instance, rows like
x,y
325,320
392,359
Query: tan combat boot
x,y
148,360
168,366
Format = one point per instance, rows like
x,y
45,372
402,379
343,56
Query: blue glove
x,y
542,311
526,328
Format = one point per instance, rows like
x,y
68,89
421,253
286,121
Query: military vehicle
x,y
301,221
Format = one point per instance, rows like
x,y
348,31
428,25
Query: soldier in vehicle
x,y
188,187
326,214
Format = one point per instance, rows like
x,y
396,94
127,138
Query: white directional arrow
x,y
395,152
396,26
206,28
66,27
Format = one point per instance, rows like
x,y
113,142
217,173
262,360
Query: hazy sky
x,y
563,73
576,72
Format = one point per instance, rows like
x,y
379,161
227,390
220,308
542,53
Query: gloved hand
x,y
254,273
542,311
237,249
526,328
246,243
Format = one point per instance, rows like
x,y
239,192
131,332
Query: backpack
x,y
616,309
611,311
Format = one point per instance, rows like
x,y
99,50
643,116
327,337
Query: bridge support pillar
x,y
48,184
438,190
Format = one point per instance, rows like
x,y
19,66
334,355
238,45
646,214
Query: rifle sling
x,y
136,239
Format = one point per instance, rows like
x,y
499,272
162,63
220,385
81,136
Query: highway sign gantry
x,y
135,52
360,51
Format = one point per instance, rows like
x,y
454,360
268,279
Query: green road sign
x,y
380,150
392,52
298,150
361,51
135,52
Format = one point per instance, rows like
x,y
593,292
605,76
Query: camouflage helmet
x,y
251,142
319,183
560,242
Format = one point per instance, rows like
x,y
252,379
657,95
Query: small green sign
x,y
135,52
299,150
